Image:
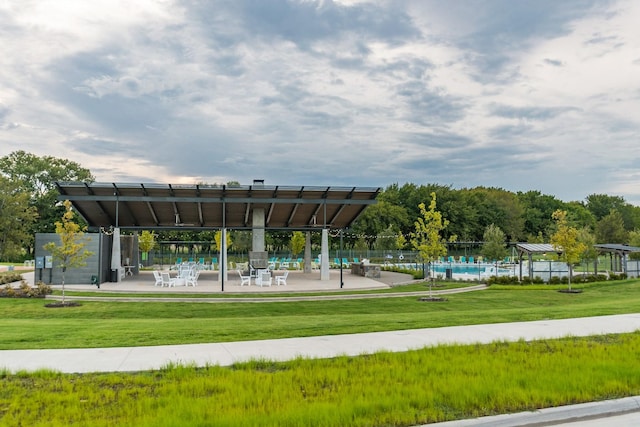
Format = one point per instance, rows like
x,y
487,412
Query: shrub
x,y
8,291
43,289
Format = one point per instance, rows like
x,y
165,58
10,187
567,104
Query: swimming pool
x,y
479,270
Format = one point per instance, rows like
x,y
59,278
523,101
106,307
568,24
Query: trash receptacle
x,y
448,273
114,276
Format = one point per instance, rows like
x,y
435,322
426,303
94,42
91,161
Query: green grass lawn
x,y
383,389
27,324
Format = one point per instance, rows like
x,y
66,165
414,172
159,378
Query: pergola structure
x,y
256,207
619,254
530,249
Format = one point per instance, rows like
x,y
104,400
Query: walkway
x,y
129,359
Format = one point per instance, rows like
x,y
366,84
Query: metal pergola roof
x,y
536,248
616,248
202,207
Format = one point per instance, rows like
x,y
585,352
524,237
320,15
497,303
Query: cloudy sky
x,y
523,95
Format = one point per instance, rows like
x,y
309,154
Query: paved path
x,y
224,354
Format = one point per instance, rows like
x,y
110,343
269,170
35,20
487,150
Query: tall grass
x,y
401,389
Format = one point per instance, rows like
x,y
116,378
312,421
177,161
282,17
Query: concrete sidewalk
x,y
224,354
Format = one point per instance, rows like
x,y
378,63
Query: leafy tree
x,y
361,244
71,252
538,209
377,218
218,239
601,205
610,229
146,241
495,246
589,239
37,176
565,241
634,240
427,238
16,217
297,242
242,241
387,240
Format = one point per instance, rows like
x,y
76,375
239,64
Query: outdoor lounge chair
x,y
244,280
264,279
158,278
167,280
282,279
192,279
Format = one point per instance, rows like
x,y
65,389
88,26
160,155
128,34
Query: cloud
x,y
495,93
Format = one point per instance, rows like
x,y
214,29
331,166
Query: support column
x,y
258,230
324,255
222,266
307,252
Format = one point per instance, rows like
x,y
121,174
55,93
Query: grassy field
x,y
27,324
384,389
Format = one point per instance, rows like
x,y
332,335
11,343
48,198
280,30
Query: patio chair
x,y
282,279
264,279
192,279
158,278
167,280
244,280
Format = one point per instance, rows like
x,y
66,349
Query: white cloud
x,y
341,92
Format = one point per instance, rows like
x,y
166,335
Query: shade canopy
x,y
200,207
616,248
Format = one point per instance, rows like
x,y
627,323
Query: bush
x,y
9,278
26,291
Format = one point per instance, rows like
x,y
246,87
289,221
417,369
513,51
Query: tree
x,y
71,252
427,239
565,241
590,253
146,242
387,240
16,218
297,242
38,176
610,229
495,246
634,240
218,239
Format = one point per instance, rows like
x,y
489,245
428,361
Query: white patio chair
x,y
192,279
264,279
244,280
158,278
167,280
282,279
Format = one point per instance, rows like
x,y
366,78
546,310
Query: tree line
x,y
28,205
470,212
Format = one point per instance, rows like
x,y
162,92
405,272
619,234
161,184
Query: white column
x,y
324,255
223,266
307,252
258,230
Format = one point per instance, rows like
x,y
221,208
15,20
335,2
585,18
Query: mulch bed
x,y
60,304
